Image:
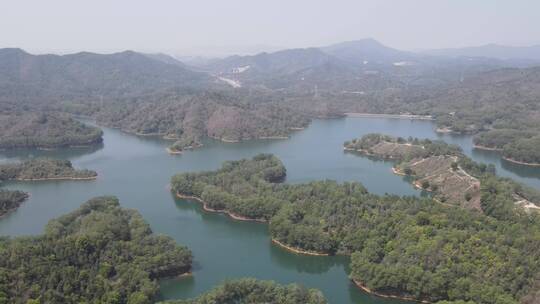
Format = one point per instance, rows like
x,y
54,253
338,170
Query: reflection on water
x,y
23,154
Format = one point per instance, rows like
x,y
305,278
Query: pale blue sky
x,y
206,26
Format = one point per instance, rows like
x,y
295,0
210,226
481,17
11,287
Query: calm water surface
x,y
137,170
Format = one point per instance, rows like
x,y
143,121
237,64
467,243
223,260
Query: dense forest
x,y
11,200
228,116
398,245
251,291
45,131
444,170
99,253
43,168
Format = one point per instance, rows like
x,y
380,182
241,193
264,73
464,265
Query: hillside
x,y
99,252
293,69
44,79
452,177
45,130
219,115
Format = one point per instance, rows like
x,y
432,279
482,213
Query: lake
x,y
138,170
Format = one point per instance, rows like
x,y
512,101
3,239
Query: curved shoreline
x,y
208,209
173,152
297,250
388,296
243,218
520,163
397,172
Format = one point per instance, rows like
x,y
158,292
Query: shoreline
x,y
297,250
480,147
388,296
225,140
54,178
245,219
82,146
208,209
274,137
173,152
395,116
444,130
520,163
397,172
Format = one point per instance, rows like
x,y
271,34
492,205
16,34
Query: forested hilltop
x,y
43,169
11,200
45,131
99,253
453,177
222,115
246,291
402,246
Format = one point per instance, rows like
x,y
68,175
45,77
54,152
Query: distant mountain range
x,y
349,66
502,52
39,78
355,66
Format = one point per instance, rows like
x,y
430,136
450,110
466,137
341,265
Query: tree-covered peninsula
x,y
515,145
99,253
251,291
43,169
403,246
45,131
11,200
452,176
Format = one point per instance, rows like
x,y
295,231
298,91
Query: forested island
x,y
11,200
452,176
45,131
99,253
44,169
401,246
253,291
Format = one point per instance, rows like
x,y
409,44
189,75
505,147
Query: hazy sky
x,y
206,26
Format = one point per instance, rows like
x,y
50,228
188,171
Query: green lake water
x,y
137,170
